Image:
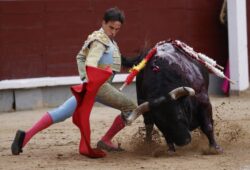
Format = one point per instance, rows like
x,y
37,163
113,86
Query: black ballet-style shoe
x,y
16,147
102,145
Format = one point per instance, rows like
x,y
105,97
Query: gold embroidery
x,y
101,37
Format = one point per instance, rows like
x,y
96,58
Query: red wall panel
x,y
42,38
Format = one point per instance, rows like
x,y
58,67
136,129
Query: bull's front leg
x,y
149,129
170,143
207,126
149,126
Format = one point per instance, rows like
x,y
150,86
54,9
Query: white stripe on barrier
x,y
48,81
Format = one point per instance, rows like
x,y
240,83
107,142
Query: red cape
x,y
85,95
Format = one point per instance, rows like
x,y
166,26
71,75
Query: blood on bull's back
x,y
170,68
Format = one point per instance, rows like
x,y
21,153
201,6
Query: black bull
x,y
167,70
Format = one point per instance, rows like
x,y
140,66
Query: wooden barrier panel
x,y
40,39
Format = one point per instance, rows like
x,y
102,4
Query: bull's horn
x,y
180,92
141,109
146,106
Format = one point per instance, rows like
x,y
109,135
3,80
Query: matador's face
x,y
111,28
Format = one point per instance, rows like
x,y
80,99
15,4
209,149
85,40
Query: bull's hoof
x,y
102,145
213,150
171,152
148,140
218,149
171,149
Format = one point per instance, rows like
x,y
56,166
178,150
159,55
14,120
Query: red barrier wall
x,y
42,38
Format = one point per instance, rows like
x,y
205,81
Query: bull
x,y
169,69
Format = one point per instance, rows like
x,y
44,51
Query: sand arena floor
x,y
57,146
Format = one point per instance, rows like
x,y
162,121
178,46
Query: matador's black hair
x,y
114,14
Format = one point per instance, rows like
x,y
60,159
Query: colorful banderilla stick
x,y
136,69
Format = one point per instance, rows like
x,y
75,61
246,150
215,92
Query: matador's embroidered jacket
x,y
101,52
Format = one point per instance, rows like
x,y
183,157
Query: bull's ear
x,y
181,92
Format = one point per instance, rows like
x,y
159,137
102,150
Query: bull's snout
x,y
183,142
182,138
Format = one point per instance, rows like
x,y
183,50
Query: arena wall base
x,y
6,100
27,99
17,99
215,84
